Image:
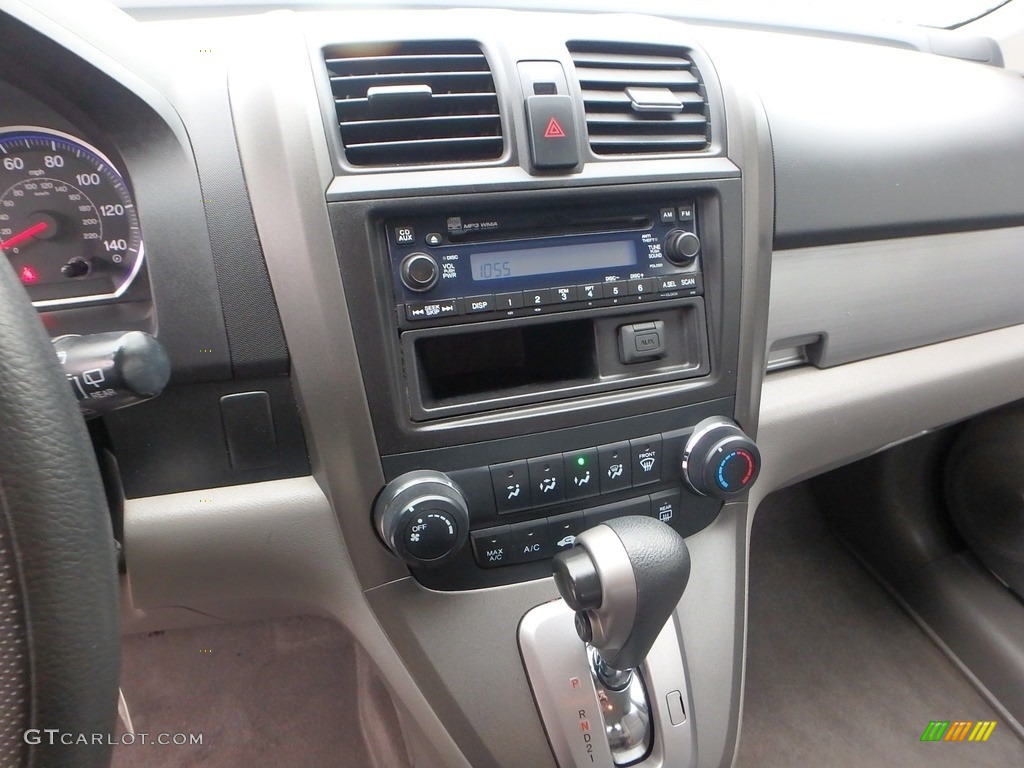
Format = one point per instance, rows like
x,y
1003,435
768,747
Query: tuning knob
x,y
719,459
681,247
422,517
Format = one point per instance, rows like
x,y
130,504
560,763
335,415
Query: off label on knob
x,y
431,535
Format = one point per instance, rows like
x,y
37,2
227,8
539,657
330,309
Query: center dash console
x,y
540,363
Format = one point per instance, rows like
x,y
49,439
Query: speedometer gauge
x,y
68,223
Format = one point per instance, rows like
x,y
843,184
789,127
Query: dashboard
x,y
505,267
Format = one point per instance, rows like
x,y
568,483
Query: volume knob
x,y
422,517
719,459
419,272
681,247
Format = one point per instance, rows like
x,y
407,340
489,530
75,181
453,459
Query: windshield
x,y
930,13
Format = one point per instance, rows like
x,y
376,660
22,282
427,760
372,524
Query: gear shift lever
x,y
623,578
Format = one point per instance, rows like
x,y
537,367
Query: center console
x,y
536,365
497,357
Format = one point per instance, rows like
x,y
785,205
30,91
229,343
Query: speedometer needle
x,y
26,234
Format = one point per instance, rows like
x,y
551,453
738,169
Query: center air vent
x,y
415,103
641,99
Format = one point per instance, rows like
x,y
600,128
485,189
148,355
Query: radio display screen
x,y
551,259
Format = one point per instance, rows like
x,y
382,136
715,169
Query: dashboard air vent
x,y
415,103
641,99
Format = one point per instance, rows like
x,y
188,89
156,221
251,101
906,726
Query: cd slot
x,y
553,226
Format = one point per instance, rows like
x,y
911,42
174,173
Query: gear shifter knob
x,y
623,578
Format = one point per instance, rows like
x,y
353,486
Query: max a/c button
x,y
492,546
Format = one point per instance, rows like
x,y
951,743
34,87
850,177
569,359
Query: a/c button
x,y
530,541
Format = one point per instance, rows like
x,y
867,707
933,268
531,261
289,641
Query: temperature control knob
x,y
719,460
422,517
419,271
681,247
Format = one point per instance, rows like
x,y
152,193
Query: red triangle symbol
x,y
554,130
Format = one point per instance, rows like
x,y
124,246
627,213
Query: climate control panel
x,y
524,511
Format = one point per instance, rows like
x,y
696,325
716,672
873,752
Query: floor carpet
x,y
837,674
279,694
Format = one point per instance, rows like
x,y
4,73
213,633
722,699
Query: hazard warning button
x,y
552,132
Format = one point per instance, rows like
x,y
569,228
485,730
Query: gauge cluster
x,y
68,222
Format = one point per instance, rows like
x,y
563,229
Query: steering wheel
x,y
59,615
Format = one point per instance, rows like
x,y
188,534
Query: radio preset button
x,y
564,295
615,289
429,310
640,287
419,272
537,298
512,300
588,292
474,304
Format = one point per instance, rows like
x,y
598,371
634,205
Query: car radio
x,y
453,268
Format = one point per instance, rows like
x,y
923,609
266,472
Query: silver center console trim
x,y
559,671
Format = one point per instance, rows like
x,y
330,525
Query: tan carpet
x,y
837,674
280,694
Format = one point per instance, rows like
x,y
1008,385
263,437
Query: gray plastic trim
x,y
845,173
816,420
867,299
287,167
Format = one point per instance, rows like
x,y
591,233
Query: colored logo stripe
x,y
958,730
982,730
935,731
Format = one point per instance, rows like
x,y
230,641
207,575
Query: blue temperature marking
x,y
721,471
